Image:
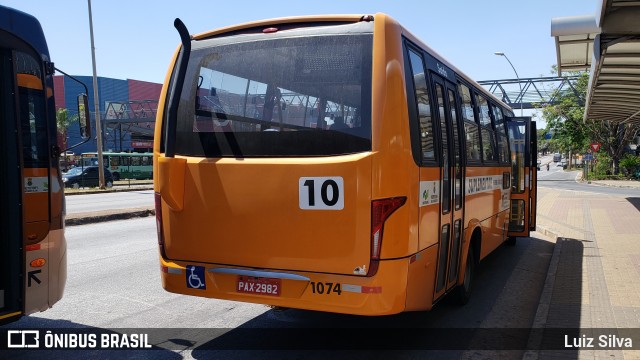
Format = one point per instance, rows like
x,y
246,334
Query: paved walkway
x,y
593,281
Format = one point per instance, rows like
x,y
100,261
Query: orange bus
x,y
332,163
33,254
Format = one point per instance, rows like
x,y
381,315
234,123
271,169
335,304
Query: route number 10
x,y
321,193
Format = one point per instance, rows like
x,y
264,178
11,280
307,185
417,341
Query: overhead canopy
x,y
574,41
613,57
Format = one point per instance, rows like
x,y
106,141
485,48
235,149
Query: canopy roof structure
x,y
609,45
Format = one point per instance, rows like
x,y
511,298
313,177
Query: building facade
x,y
127,112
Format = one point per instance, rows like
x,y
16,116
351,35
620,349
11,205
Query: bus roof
x,y
283,20
446,62
25,27
348,18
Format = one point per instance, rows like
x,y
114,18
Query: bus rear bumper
x,y
382,294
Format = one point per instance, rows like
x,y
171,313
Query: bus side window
x,y
424,108
488,136
503,146
31,109
472,135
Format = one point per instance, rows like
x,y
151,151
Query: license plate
x,y
258,285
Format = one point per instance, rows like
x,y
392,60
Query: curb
x,y
614,185
108,215
540,320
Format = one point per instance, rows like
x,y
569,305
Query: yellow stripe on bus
x,y
11,315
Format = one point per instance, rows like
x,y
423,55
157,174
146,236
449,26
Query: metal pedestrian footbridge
x,y
531,93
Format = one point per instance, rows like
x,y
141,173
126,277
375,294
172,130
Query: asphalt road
x,y
114,282
566,180
109,201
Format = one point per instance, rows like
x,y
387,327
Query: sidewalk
x,y
629,184
593,281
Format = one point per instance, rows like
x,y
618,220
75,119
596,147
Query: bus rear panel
x,y
295,173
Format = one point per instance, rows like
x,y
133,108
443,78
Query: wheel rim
x,y
76,186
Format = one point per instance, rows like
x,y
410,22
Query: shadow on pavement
x,y
635,202
448,328
563,318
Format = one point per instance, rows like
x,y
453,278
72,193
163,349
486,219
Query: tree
x,y
613,138
543,144
63,120
571,133
564,119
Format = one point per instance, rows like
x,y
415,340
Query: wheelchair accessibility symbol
x,y
195,277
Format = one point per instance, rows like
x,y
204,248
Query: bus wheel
x,y
116,176
109,184
463,292
511,241
75,186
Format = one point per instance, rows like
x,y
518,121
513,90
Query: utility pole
x,y
96,103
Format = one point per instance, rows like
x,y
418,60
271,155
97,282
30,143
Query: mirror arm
x,y
86,91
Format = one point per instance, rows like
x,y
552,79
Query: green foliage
x,y
630,164
564,119
603,165
603,169
572,133
63,120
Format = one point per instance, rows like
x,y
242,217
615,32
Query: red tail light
x,y
380,212
158,203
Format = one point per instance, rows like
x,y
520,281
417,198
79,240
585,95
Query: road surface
x,y
114,282
109,201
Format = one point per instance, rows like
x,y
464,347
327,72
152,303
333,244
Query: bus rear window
x,y
285,96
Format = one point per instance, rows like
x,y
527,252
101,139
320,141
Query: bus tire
x,y
109,184
463,291
75,185
116,176
511,241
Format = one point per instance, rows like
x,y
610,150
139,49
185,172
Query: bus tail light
x,y
380,212
158,204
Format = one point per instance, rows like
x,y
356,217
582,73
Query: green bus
x,y
138,166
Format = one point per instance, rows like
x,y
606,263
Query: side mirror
x,y
83,116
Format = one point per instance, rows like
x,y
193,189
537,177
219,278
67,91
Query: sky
x,y
136,39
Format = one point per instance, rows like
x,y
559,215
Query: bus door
x,y
451,186
524,154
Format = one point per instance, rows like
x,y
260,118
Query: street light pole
x,y
96,103
499,53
